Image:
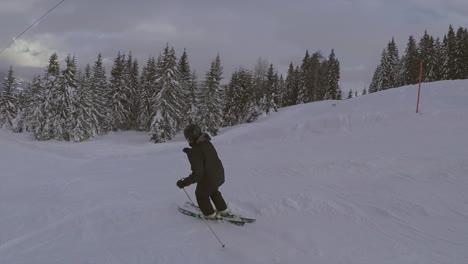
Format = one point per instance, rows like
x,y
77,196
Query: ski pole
x,y
206,222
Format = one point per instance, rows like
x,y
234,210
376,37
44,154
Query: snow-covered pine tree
x,y
427,53
51,111
231,106
8,101
281,91
443,53
439,60
389,66
136,88
411,63
119,92
271,91
212,99
148,86
18,122
168,102
350,94
35,108
356,94
241,106
194,98
260,73
452,60
131,77
291,93
101,110
85,127
384,66
309,78
315,64
304,85
376,83
322,83
364,92
186,95
333,75
400,81
461,47
465,54
65,101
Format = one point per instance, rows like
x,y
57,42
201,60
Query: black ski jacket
x,y
207,168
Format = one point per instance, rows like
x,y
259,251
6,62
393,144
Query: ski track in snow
x,y
365,181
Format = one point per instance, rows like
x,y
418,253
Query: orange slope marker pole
x,y
419,89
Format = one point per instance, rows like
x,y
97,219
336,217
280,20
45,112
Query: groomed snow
x,y
364,181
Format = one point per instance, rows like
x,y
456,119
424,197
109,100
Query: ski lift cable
x,y
37,21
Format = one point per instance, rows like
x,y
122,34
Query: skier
x,y
207,172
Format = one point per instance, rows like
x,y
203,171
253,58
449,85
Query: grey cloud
x,y
241,31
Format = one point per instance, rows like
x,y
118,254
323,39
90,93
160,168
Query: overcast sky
x,y
240,30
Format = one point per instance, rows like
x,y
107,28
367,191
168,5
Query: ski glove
x,y
187,150
183,183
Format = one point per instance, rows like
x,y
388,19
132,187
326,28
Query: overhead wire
x,y
37,21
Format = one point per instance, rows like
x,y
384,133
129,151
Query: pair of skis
x,y
193,210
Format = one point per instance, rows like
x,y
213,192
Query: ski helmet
x,y
192,132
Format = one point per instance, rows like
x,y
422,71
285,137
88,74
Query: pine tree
x,y
427,53
465,54
100,111
65,101
315,65
364,92
439,60
376,84
51,117
168,104
212,99
260,73
35,116
194,96
322,86
304,85
148,91
185,80
411,63
452,61
271,91
133,96
333,75
230,111
443,53
290,96
85,127
461,53
400,81
241,106
389,66
9,101
281,91
119,97
297,83
18,121
309,78
350,94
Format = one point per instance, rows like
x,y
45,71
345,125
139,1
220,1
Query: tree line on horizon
x,y
443,58
71,104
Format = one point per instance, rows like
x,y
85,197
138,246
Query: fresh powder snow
x,y
364,181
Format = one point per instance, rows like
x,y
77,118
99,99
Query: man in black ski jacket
x,y
207,172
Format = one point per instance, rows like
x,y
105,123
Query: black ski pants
x,y
205,194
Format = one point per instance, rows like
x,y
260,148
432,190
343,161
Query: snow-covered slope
x,y
365,181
